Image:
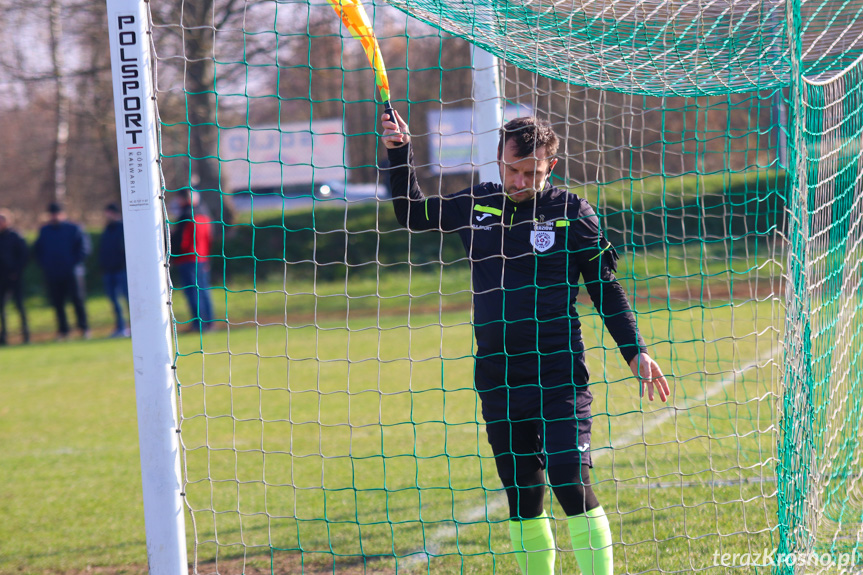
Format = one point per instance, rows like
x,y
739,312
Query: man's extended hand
x,y
395,133
650,376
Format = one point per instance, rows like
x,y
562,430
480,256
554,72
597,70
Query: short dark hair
x,y
55,208
113,208
529,134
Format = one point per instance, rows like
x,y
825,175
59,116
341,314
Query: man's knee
x,y
571,485
525,495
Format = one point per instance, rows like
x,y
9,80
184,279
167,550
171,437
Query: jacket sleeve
x,y
84,245
193,235
597,262
187,237
203,230
22,255
413,210
37,247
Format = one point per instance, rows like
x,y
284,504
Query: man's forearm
x,y
610,301
405,188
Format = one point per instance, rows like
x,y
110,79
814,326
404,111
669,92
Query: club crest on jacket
x,y
542,236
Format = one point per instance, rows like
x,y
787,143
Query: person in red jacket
x,y
190,251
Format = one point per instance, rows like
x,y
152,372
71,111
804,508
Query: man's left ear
x,y
551,164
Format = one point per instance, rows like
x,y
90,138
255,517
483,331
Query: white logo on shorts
x,y
584,447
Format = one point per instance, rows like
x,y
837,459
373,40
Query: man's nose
x,y
520,181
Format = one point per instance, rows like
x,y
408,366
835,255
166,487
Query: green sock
x,y
533,544
591,541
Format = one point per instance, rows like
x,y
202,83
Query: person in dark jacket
x,y
528,243
13,260
112,262
60,250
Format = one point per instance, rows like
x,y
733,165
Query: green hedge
x,y
331,241
338,240
657,212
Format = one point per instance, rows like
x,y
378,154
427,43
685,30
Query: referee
x,y
528,242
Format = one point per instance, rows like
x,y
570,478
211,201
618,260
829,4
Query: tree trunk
x,y
56,179
201,108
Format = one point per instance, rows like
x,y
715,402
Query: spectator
x,y
112,261
13,260
190,250
60,250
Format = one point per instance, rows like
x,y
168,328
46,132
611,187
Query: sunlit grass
x,y
340,420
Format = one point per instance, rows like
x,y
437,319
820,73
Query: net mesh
x,y
821,433
328,417
681,48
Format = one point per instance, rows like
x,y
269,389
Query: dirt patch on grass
x,y
295,563
282,563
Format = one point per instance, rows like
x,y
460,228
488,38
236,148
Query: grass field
x,y
338,429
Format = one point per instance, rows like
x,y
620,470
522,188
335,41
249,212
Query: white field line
x,y
638,433
498,501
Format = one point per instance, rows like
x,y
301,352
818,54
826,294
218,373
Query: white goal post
x,y
144,224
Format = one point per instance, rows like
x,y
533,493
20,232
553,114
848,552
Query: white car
x,y
336,190
304,196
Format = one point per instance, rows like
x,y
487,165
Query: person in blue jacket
x,y
13,259
528,243
112,262
60,250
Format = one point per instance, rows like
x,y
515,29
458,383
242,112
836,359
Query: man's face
x,y
3,224
523,177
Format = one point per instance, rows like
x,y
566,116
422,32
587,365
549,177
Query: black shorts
x,y
545,428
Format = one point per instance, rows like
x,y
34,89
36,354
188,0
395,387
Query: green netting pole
x,y
796,448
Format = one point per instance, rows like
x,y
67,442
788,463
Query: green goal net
x,y
324,354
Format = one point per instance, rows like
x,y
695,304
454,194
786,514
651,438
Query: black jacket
x,y
112,250
526,259
13,255
61,249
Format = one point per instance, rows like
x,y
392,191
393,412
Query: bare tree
x,y
40,67
207,48
21,64
56,174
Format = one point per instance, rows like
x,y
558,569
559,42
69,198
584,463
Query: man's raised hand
x,y
395,132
